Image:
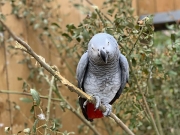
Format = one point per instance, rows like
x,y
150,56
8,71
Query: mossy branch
x,y
64,81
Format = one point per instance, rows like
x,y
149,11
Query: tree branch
x,y
90,3
49,104
63,80
144,100
141,92
59,99
136,41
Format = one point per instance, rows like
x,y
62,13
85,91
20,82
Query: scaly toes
x,y
98,102
108,109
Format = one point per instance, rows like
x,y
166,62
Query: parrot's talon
x,y
108,110
85,103
98,102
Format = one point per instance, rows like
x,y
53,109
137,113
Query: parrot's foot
x,y
108,109
98,102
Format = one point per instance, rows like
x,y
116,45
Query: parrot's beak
x,y
104,56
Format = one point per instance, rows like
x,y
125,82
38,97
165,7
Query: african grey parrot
x,y
102,72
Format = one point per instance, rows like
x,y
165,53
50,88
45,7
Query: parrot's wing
x,y
124,69
124,66
80,74
81,69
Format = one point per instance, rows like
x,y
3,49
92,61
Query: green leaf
x,y
133,62
17,107
172,73
146,71
19,78
7,129
55,24
85,34
70,27
25,86
27,130
24,2
173,37
26,100
34,125
157,62
36,26
2,16
149,19
94,16
67,36
170,27
78,39
35,96
19,132
110,11
32,109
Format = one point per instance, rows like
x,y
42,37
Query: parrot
x,y
102,72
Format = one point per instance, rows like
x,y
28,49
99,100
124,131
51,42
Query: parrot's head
x,y
103,48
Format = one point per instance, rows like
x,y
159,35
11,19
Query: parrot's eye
x,y
103,48
92,48
98,49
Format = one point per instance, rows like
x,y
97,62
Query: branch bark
x,y
64,81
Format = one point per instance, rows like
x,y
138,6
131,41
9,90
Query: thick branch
x,y
63,80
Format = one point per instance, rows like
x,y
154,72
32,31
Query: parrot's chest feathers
x,y
103,81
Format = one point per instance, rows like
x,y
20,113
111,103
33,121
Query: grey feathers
x,y
124,66
81,69
102,71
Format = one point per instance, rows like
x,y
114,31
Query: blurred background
x,y
59,31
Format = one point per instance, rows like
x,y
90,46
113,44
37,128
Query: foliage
x,y
43,19
135,42
166,85
154,63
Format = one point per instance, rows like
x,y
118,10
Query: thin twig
x,y
7,83
136,41
136,80
90,3
65,81
99,14
49,103
71,108
155,108
108,127
28,94
144,100
59,99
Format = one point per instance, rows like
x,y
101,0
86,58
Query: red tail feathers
x,y
93,114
